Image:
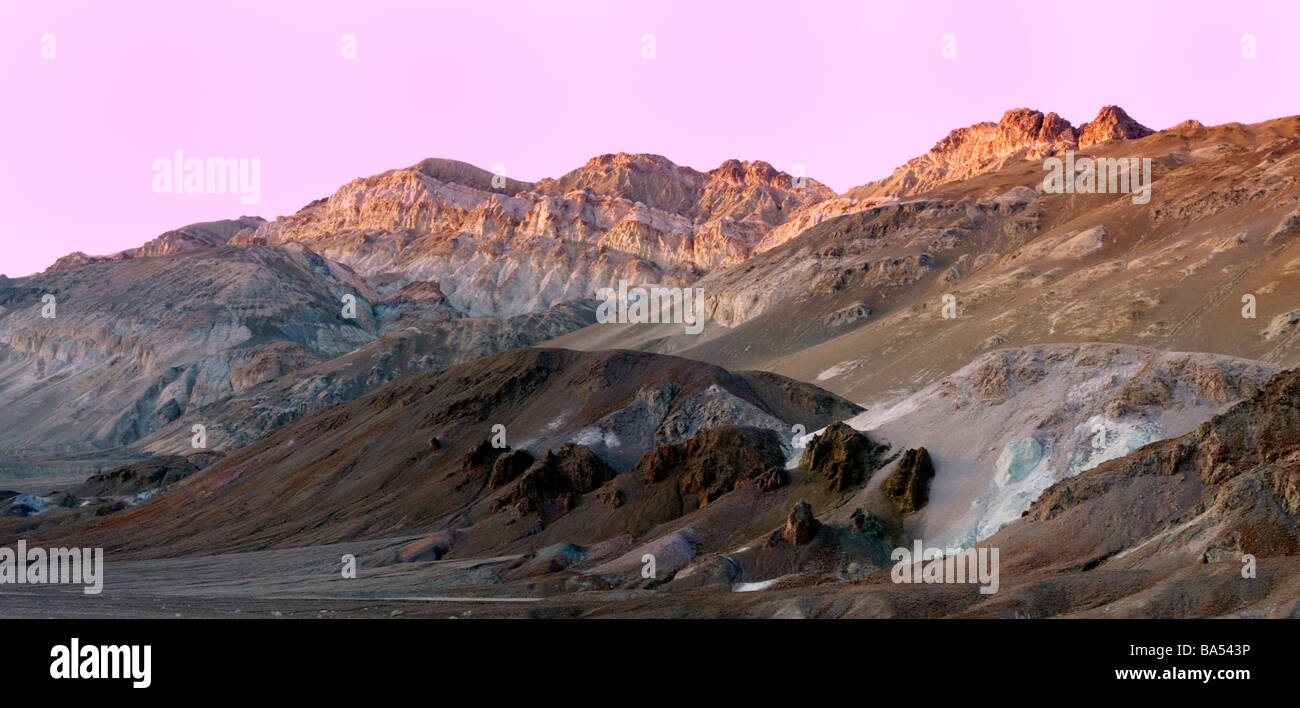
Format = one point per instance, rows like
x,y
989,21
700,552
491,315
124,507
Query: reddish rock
x,y
1021,134
801,526
1112,123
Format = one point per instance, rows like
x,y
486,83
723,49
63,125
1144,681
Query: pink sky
x,y
848,89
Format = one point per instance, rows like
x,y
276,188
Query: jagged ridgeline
x,y
643,389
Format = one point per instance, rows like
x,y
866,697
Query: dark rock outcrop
x,y
480,458
151,473
64,499
842,456
508,466
771,479
715,461
430,548
847,315
551,559
869,524
801,526
714,571
611,497
909,486
553,484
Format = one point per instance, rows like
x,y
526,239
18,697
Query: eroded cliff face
x,y
524,247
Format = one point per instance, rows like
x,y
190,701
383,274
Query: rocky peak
x,y
464,173
501,247
201,235
746,173
1019,129
1021,134
730,190
653,180
77,259
1111,123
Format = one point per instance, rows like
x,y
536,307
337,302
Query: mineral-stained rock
x,y
909,486
801,526
842,456
64,499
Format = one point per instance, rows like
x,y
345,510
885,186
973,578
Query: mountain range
x,y
414,371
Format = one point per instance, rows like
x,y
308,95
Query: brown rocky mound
x,y
909,486
508,466
715,461
152,473
801,526
553,485
842,456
